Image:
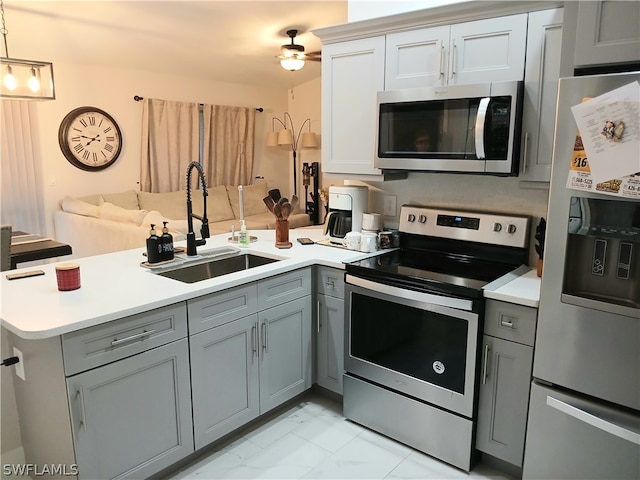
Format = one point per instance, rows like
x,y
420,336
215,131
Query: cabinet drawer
x,y
284,288
511,322
95,346
222,307
330,281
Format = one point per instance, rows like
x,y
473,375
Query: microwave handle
x,y
480,123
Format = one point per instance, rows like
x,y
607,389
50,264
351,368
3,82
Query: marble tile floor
x,y
312,440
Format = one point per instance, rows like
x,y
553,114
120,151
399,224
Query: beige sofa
x,y
104,223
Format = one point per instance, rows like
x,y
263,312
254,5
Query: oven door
x,y
415,343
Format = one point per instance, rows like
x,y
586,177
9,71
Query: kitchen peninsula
x,y
134,371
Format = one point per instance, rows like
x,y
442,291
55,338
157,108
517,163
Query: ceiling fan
x,y
293,56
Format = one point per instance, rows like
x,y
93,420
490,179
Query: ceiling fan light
x,y
292,64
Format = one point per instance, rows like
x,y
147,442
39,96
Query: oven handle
x,y
451,302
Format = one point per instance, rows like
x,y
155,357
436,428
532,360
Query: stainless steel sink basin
x,y
215,268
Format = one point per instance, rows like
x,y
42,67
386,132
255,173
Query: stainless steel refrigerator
x,y
584,414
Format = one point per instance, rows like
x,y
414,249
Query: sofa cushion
x,y
109,211
171,204
253,195
174,225
218,206
127,200
79,207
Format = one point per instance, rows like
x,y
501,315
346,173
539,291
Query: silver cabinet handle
x,y
137,336
507,323
441,62
452,60
525,156
480,123
254,339
318,315
594,421
265,338
80,397
485,367
330,283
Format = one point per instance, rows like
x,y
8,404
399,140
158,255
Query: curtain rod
x,y
138,98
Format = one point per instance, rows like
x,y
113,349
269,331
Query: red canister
x,y
68,275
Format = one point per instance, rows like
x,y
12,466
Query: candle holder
x,y
282,234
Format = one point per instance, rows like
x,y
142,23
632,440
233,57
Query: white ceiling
x,y
230,41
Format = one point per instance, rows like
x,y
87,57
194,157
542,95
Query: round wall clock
x,y
90,138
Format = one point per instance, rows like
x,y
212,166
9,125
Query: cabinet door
x,y
224,376
540,92
330,330
416,58
607,32
132,418
285,350
352,74
491,50
503,399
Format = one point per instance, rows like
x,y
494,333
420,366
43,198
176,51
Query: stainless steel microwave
x,y
461,128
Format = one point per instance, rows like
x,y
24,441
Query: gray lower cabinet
x,y
132,418
255,355
330,328
507,345
113,399
224,372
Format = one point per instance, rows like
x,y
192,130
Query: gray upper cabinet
x,y
352,74
464,53
540,90
608,32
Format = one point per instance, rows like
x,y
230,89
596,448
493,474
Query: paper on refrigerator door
x,y
610,128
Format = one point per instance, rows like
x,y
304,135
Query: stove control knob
x,y
511,228
422,219
497,227
412,217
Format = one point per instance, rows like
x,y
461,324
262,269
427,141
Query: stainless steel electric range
x,y
414,322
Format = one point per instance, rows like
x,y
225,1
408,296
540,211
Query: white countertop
x,y
115,285
523,290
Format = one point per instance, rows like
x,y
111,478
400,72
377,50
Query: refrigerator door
x,y
581,348
572,438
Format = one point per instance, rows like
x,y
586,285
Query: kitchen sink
x,y
215,268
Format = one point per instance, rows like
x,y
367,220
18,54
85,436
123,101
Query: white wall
x,y
113,90
366,9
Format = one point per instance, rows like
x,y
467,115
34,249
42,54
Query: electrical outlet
x,y
20,364
390,205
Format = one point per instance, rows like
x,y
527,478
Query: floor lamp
x,y
287,136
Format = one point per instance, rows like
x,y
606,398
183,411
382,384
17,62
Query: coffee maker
x,y
346,206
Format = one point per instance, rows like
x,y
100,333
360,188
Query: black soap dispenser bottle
x,y
167,243
154,246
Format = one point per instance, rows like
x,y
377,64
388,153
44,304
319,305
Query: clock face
x,y
90,138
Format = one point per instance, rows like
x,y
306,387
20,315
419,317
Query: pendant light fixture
x,y
24,79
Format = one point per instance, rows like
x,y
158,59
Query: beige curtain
x,y
170,141
228,144
21,168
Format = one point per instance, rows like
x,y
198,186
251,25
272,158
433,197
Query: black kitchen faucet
x,y
204,230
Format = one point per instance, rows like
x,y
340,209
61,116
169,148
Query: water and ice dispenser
x,y
602,263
